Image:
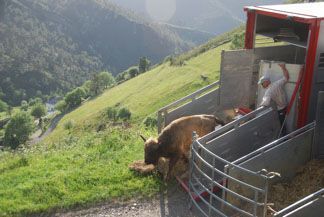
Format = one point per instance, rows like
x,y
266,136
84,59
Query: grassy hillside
x,y
81,166
150,91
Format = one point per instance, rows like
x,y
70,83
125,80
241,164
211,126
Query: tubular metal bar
x,y
226,189
266,197
234,124
224,161
203,199
300,203
221,200
228,176
274,143
211,186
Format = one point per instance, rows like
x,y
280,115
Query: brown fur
x,y
175,140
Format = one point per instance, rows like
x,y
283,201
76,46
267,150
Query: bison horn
x,y
143,138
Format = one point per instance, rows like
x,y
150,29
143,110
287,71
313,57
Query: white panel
x,y
276,74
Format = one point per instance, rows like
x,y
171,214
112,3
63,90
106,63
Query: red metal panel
x,y
250,30
303,10
308,78
282,14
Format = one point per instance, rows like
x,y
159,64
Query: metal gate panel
x,y
245,138
285,158
206,104
202,101
319,132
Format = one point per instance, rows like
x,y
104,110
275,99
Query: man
x,y
275,91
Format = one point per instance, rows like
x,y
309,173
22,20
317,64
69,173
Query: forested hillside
x,y
51,46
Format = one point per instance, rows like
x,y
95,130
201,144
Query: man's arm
x,y
284,71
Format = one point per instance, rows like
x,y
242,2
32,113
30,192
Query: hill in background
x,y
88,162
214,16
52,46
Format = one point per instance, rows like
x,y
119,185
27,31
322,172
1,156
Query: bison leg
x,y
172,162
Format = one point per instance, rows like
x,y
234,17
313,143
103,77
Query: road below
x,y
173,202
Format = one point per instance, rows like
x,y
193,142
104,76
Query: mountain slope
x,y
82,166
51,46
214,16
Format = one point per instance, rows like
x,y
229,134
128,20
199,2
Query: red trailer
x,y
305,26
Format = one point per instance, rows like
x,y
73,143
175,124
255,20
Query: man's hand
x,y
284,70
282,66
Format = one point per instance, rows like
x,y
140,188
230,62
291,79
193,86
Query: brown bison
x,y
175,140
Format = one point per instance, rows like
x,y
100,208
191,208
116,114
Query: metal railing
x,y
305,205
243,188
219,204
203,101
209,167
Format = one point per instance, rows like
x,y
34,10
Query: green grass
x,y
148,92
79,167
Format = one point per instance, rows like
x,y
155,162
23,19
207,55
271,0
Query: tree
x,y
18,130
35,101
61,106
122,76
133,71
238,41
24,105
38,110
86,87
95,87
74,98
144,65
3,106
106,79
124,114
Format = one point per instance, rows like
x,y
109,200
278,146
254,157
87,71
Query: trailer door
x,y
236,78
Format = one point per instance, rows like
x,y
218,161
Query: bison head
x,y
151,147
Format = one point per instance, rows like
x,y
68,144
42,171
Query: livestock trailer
x,y
240,157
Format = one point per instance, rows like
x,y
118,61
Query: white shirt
x,y
275,91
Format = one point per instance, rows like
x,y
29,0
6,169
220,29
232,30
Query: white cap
x,y
263,79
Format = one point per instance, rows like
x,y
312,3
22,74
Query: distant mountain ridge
x,y
214,16
52,46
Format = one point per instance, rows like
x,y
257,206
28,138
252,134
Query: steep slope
x,y
50,46
82,166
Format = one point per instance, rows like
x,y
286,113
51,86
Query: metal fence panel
x,y
212,152
284,158
206,104
245,138
203,101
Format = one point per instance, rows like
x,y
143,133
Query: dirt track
x,y
172,203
